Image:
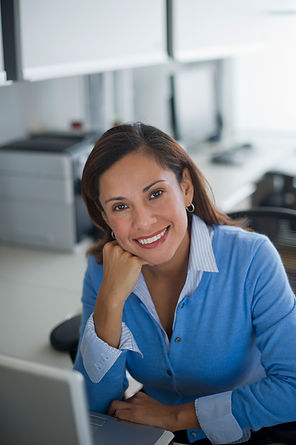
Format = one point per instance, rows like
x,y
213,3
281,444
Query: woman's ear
x,y
187,187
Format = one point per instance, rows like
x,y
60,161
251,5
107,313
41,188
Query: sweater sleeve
x,y
100,392
271,400
230,417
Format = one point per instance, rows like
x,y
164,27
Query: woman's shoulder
x,y
242,247
228,235
236,231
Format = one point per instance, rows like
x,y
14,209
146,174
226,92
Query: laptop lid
x,y
42,404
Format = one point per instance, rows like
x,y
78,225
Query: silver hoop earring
x,y
190,208
112,235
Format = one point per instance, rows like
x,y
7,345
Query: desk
x,y
233,184
38,289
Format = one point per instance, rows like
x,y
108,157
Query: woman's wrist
x,y
107,322
184,417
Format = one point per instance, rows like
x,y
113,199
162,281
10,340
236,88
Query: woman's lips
x,y
153,240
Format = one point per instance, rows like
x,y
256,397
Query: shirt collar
x,y
201,256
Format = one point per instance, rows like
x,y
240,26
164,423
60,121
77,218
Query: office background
x,y
213,74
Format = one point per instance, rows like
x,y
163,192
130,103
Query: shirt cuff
x,y
217,421
97,356
127,340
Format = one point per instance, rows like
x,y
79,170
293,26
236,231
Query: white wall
x,y
54,104
12,125
151,96
44,105
140,94
264,83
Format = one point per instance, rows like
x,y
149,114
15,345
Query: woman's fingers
x,y
143,409
121,271
115,406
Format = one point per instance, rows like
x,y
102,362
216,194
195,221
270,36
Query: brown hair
x,y
117,142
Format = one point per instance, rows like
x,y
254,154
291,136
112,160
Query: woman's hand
x,y
121,273
143,409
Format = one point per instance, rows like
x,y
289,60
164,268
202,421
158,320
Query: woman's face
x,y
144,205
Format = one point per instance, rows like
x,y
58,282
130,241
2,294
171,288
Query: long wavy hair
x,y
121,140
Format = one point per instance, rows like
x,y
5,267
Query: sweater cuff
x,y
217,421
97,356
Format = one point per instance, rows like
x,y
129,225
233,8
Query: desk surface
x,y
39,288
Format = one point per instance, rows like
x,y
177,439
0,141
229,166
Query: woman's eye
x,y
156,194
119,207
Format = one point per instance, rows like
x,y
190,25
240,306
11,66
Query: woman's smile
x,y
153,240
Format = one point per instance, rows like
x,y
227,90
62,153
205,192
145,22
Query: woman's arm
x,y
144,409
121,273
270,400
101,388
99,359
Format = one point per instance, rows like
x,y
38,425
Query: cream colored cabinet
x,y
216,28
65,37
68,37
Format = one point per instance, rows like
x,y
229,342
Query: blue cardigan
x,y
237,354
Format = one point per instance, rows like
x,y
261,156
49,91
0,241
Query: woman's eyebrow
x,y
145,189
115,198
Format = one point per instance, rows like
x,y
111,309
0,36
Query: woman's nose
x,y
143,217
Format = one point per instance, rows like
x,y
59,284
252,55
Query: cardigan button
x,y
193,434
169,372
178,339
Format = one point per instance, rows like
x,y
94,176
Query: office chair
x,y
275,189
65,336
279,224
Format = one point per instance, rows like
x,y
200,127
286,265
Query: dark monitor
x,y
195,115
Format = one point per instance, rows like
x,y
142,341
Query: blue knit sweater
x,y
236,349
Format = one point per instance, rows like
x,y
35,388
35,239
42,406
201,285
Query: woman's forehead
x,y
133,163
136,169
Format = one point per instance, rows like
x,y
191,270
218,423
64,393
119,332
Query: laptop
x,y
44,405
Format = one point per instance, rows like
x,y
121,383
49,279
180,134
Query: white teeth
x,y
153,238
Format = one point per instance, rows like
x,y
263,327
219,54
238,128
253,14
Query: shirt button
x,y
193,434
169,372
178,339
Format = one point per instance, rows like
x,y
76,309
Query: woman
x,y
196,309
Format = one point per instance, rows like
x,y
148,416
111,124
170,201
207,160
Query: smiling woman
x,y
161,152
197,309
150,220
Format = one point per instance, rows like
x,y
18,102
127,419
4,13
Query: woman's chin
x,y
157,260
153,257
